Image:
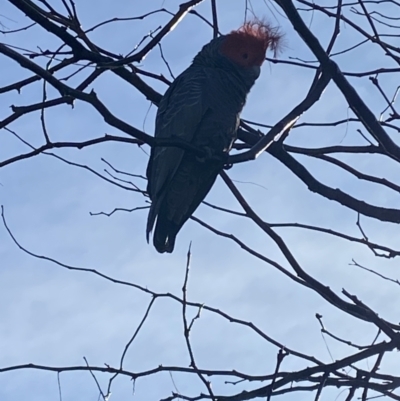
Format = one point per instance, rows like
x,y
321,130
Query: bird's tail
x,y
164,234
165,230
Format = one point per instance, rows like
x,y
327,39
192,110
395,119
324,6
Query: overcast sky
x,y
53,316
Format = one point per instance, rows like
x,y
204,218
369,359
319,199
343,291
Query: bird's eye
x,y
245,56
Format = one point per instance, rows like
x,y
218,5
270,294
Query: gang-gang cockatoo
x,y
202,107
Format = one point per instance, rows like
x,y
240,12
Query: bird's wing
x,y
180,112
179,115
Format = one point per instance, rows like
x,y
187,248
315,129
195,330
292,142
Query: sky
x,y
55,316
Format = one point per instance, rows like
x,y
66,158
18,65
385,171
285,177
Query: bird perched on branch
x,y
201,107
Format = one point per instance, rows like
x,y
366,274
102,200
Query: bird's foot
x,y
208,155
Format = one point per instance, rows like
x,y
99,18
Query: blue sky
x,y
53,316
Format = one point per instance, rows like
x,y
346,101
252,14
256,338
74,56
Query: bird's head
x,y
247,46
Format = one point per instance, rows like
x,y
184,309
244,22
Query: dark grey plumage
x,y
202,106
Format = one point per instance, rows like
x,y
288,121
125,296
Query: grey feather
x,y
202,106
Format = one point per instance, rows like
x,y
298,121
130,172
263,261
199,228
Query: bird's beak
x,y
256,70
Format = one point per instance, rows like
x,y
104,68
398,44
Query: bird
x,y
202,106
